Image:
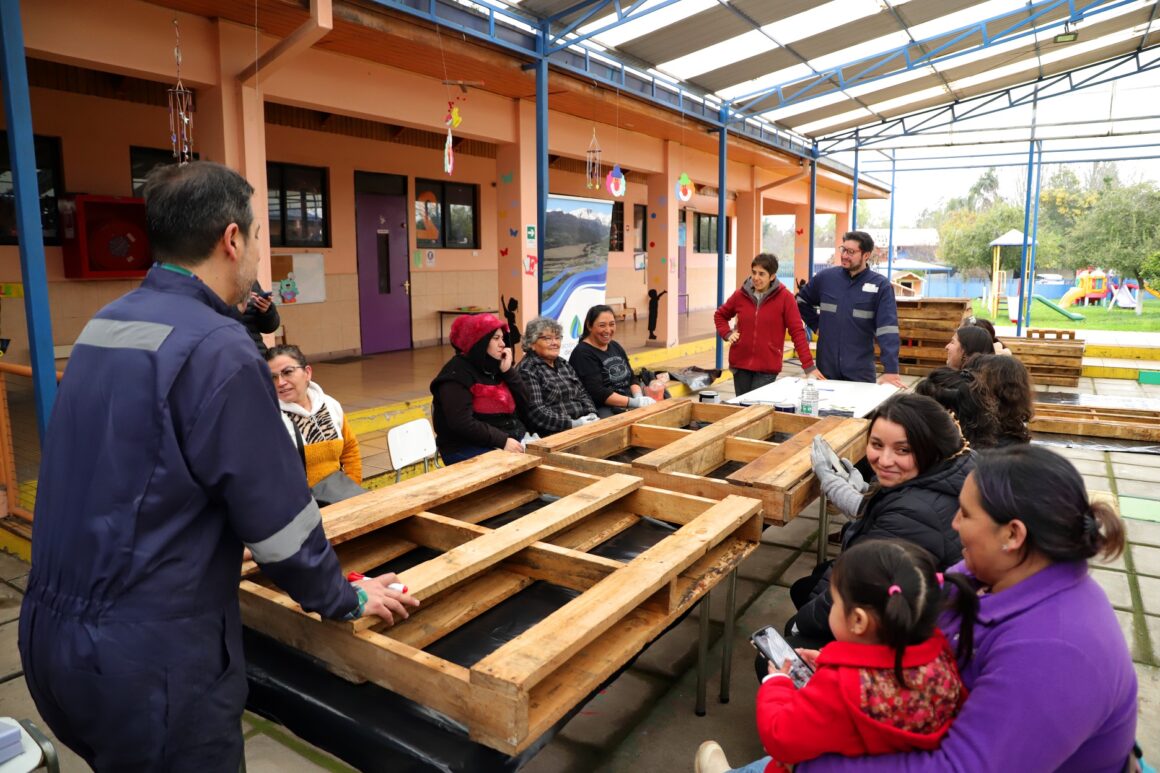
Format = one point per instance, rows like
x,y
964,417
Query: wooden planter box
x,y
513,695
680,459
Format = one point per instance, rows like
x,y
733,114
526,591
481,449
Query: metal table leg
x,y
727,648
702,657
823,528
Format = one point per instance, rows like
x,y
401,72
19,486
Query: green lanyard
x,y
176,269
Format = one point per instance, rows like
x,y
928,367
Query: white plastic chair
x,y
410,443
36,750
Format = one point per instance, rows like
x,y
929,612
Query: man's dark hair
x,y
865,242
188,207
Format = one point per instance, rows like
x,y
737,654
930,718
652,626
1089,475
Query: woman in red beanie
x,y
478,395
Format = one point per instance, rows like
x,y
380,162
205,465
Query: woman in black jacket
x,y
920,462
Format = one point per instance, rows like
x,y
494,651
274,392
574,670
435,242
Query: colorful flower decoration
x,y
685,187
615,182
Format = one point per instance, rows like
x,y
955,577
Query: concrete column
x,y
515,166
664,215
801,242
748,239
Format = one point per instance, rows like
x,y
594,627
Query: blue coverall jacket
x,y
854,311
165,454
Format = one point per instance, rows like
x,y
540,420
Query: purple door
x,y
384,274
682,278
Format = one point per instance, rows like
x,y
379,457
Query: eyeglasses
x,y
285,373
550,338
850,251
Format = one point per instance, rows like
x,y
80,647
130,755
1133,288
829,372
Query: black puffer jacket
x,y
919,511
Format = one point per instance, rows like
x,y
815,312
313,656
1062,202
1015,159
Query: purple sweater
x,y
1051,684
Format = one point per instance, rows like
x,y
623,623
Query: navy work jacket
x,y
854,312
165,453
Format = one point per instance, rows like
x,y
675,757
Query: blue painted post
x,y
18,112
854,202
1035,226
1026,237
541,156
890,236
813,206
723,146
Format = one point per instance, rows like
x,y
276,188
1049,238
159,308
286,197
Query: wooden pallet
x,y
512,696
1042,332
930,319
1119,423
680,459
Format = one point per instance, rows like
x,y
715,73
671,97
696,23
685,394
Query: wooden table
x,y
459,313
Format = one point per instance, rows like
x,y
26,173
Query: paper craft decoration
x,y
592,166
685,187
452,119
615,182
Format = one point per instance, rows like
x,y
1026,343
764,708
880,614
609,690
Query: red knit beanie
x,y
466,331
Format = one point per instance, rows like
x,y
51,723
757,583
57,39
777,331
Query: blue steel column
x,y
723,143
541,156
890,237
1026,237
1035,226
18,111
813,206
854,202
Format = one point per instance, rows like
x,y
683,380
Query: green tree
x,y
965,236
985,192
1120,232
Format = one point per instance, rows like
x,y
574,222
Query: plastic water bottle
x,y
809,399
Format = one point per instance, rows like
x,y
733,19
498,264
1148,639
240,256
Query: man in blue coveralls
x,y
165,455
857,307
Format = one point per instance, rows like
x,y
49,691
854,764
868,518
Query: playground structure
x,y
1094,285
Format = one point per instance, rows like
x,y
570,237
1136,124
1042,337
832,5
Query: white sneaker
x,y
711,759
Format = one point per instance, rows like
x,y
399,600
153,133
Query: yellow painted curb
x,y
1115,352
11,542
1102,371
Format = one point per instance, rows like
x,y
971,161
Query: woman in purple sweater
x,y
1051,682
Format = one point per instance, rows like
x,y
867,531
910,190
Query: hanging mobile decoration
x,y
592,170
685,187
615,182
452,119
180,110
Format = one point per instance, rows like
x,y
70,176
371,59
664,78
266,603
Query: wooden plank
x,y
596,529
681,416
492,501
800,466
760,471
743,450
777,422
528,658
457,607
704,449
649,436
666,505
1107,428
562,441
609,443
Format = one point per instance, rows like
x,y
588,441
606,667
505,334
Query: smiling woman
x,y
556,399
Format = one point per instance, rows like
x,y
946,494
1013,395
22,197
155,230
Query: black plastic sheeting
x,y
372,728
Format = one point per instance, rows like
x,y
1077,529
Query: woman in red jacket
x,y
764,309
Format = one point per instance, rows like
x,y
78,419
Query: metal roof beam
x,y
874,68
559,41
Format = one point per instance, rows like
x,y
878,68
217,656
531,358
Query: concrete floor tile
x,y
10,599
1148,723
1146,560
265,754
1096,483
675,652
1140,460
1115,584
17,703
609,716
1116,563
747,591
1153,623
1150,594
1094,467
561,755
794,534
9,655
1138,488
774,607
1074,452
1128,627
12,567
766,563
804,564
1134,472
1143,532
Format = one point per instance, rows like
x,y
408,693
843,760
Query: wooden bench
x,y
620,310
1038,332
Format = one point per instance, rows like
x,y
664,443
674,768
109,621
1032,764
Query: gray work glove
x,y
640,401
587,418
855,477
837,486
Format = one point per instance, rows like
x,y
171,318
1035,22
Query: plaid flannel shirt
x,y
555,394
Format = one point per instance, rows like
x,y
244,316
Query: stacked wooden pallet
x,y
511,696
1089,421
685,442
925,325
1057,362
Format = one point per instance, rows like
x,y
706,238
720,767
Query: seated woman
x,y
965,343
314,419
603,367
972,405
478,394
556,399
1009,383
920,461
1028,531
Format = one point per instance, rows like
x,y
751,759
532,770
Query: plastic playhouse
x,y
1091,285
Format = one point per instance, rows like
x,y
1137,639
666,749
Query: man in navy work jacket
x,y
165,455
857,307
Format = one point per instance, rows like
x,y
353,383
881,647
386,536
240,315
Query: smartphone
x,y
777,650
266,293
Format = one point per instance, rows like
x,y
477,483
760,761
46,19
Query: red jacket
x,y
854,706
762,328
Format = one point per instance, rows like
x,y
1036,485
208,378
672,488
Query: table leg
x,y
702,657
823,528
727,648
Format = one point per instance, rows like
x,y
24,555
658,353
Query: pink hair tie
x,y
892,590
939,576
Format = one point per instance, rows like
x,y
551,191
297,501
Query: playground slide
x,y
1152,290
1069,314
1071,296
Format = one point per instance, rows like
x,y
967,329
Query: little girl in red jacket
x,y
888,684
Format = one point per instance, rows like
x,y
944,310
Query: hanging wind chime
x,y
180,110
592,169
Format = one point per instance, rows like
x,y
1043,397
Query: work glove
x,y
846,495
640,401
587,418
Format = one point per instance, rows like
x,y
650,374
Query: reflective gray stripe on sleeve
x,y
863,314
886,330
830,307
289,538
118,334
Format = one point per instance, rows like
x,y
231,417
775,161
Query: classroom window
x,y
706,234
49,176
142,161
297,198
616,229
446,215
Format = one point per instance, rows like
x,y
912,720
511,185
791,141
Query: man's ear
x,y
230,240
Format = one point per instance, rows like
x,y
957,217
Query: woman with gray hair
x,y
556,399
